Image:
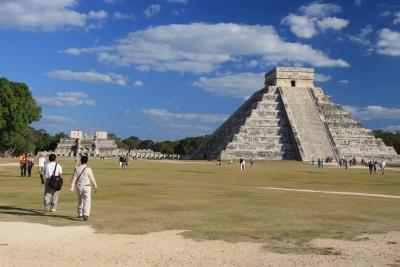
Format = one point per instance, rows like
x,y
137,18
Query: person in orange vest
x,y
30,163
22,164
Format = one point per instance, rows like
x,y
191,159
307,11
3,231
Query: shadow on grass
x,y
33,212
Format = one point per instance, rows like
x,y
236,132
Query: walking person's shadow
x,y
33,212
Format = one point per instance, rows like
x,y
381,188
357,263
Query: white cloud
x,y
241,85
314,18
397,18
203,118
152,10
386,13
344,81
332,23
122,16
319,9
373,112
89,76
392,128
359,2
178,1
388,42
44,15
362,36
101,14
112,1
138,83
322,77
203,48
301,26
67,99
57,119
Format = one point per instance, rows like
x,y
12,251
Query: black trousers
x,y
29,170
23,169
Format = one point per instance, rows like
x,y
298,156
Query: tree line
x,y
184,146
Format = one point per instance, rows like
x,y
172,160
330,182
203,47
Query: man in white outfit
x,y
42,163
83,180
51,195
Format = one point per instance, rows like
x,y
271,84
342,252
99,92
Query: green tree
x,y
132,142
389,138
146,144
18,109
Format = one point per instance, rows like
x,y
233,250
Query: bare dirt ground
x,y
29,244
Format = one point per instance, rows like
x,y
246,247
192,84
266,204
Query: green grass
x,y
217,202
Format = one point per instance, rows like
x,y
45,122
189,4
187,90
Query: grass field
x,y
217,202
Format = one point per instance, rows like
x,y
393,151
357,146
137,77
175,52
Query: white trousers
x,y
84,199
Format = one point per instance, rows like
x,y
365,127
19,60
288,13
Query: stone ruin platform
x,y
291,119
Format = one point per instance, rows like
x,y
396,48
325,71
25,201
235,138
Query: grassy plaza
x,y
216,202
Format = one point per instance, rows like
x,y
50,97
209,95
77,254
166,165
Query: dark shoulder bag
x,y
55,181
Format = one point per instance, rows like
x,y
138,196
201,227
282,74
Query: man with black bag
x,y
52,184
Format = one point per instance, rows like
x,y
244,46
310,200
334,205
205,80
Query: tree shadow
x,y
33,212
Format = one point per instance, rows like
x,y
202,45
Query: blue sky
x,y
167,69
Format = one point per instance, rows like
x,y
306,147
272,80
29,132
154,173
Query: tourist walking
x,y
242,164
219,161
51,195
22,164
29,164
83,180
374,165
251,162
382,165
41,164
370,166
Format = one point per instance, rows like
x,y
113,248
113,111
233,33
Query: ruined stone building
x,y
78,144
291,119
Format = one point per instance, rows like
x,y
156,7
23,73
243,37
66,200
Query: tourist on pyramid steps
x,y
51,195
29,164
382,166
370,166
22,164
83,180
41,164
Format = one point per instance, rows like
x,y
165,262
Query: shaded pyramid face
x,y
291,119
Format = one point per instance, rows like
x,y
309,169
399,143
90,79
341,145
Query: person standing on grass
x,y
41,164
51,195
251,161
370,166
29,164
83,180
242,164
22,164
219,161
375,163
382,165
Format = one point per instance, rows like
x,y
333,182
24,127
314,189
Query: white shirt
x,y
49,169
42,161
86,177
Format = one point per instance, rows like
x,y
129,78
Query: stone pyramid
x,y
292,119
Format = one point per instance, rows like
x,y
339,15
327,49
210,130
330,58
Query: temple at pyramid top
x,y
290,118
290,77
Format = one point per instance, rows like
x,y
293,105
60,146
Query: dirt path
x,y
331,192
28,244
